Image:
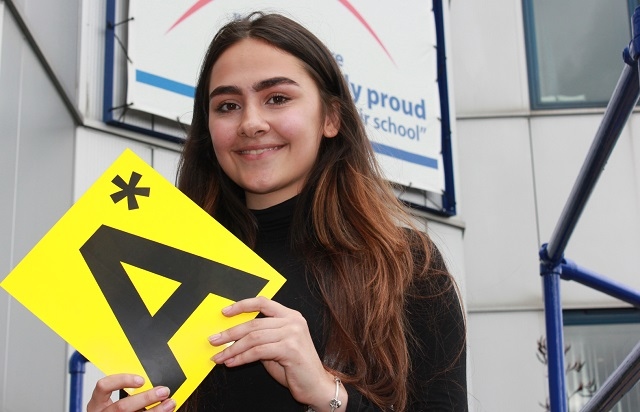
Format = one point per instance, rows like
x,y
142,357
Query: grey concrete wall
x,y
36,182
55,26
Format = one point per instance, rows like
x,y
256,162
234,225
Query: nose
x,y
252,123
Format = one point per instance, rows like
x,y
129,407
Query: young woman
x,y
369,318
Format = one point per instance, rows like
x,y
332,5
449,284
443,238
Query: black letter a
x,y
149,335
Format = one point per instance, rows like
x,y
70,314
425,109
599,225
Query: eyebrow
x,y
258,86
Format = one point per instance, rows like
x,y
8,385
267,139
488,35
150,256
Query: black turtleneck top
x,y
438,367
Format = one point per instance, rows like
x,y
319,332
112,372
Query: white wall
x,y
489,60
55,26
517,171
36,180
505,372
501,239
607,236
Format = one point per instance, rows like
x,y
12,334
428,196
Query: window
x,y
600,339
574,50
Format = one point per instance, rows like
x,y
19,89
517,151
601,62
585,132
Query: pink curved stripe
x,y
366,25
199,4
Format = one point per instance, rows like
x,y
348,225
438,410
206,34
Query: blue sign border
x,y
448,207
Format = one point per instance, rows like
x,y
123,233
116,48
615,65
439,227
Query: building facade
x,y
528,99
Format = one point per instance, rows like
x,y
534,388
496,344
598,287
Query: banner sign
x,y
386,50
135,275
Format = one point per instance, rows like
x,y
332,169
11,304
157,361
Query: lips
x,y
259,151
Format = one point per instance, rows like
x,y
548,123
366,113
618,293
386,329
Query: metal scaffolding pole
x,y
624,98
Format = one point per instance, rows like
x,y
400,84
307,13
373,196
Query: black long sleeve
x,y
437,379
437,376
439,354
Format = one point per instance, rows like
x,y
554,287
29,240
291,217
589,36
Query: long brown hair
x,y
362,258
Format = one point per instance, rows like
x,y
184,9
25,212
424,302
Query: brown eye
x,y
278,99
227,107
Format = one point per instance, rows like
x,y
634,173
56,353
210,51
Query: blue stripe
x,y
406,156
165,84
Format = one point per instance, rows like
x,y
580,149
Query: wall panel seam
x,y
76,115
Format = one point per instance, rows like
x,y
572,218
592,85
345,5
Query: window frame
x,y
595,317
533,71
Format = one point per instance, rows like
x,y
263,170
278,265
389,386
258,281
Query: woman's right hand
x,y
101,398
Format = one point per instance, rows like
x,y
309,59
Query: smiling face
x,y
266,121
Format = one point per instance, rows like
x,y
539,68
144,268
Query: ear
x,y
331,122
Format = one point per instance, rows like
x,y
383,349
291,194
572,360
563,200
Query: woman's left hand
x,y
282,342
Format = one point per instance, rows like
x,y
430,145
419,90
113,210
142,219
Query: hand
x,y
101,398
282,342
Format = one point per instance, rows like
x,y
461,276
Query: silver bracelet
x,y
334,403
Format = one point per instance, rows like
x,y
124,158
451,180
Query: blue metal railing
x,y
553,266
76,370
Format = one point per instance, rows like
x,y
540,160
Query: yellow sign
x,y
134,276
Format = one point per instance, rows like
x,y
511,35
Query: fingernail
x,y
226,310
170,405
139,380
162,392
214,338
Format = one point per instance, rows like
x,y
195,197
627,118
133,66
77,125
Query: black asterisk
x,y
129,190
